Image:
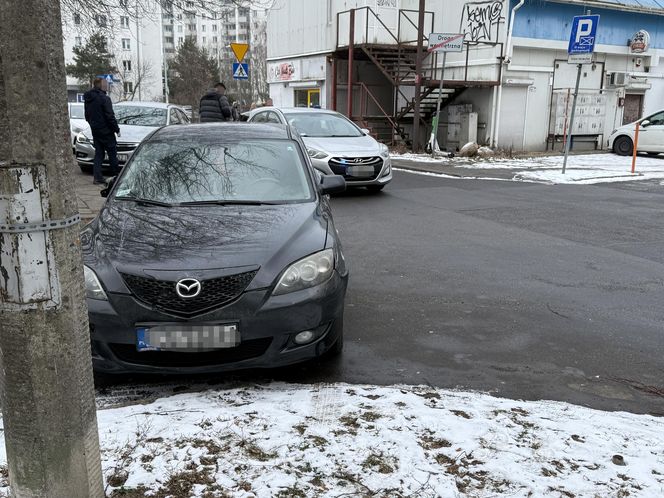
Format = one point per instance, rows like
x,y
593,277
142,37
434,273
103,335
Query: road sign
x,y
445,42
240,71
107,77
579,58
80,97
583,34
240,50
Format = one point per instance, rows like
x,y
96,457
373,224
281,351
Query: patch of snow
x,y
338,439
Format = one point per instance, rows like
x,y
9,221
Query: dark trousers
x,y
105,144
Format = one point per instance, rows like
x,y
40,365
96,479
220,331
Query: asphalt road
x,y
526,291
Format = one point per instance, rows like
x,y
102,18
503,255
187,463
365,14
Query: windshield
x,y
319,124
140,116
266,171
76,111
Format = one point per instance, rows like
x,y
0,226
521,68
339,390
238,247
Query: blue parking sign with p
x,y
583,35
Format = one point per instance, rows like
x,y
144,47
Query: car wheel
x,y
85,168
375,188
623,146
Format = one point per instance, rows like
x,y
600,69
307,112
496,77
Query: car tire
x,y
375,188
85,168
623,146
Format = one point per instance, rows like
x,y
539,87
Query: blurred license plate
x,y
360,170
182,336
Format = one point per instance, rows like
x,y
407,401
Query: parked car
x,y
216,249
77,121
335,144
137,120
651,136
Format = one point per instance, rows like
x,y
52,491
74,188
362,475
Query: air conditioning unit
x,y
616,79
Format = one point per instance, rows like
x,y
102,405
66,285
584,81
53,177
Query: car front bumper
x,y
383,178
85,154
267,325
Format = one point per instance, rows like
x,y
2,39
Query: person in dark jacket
x,y
101,118
214,105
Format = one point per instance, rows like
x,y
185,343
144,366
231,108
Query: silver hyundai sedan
x,y
336,145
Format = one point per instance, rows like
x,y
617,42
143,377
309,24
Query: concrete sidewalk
x,y
87,194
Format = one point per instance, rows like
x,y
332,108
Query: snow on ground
x,y
337,440
581,169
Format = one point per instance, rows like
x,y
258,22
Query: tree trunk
x,y
47,387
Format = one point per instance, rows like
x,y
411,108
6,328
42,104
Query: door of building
x,y
633,108
307,97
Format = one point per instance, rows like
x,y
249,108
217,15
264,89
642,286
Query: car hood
x,y
344,146
203,241
78,125
128,133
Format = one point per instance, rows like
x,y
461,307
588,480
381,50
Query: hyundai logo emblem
x,y
188,288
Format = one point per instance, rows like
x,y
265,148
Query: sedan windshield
x,y
320,124
76,111
140,116
190,172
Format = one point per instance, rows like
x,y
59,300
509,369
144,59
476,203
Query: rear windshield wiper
x,y
228,203
143,202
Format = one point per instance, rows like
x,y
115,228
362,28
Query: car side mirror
x,y
645,122
332,184
366,131
109,186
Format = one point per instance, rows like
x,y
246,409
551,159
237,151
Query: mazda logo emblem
x,y
188,288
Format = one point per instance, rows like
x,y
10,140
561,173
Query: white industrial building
x,y
509,87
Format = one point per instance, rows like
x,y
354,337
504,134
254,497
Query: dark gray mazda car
x,y
216,249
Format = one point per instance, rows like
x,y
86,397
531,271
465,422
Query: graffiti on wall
x,y
480,21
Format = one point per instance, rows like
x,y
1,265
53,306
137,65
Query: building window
x,y
179,17
126,65
169,39
124,21
204,40
168,28
215,39
128,87
214,27
180,40
101,21
203,28
126,44
77,41
180,28
192,27
77,18
124,3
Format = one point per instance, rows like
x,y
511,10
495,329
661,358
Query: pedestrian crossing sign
x,y
240,71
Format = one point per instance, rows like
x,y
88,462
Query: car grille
x,y
340,165
126,147
215,293
252,348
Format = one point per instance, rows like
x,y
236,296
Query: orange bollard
x,y
636,143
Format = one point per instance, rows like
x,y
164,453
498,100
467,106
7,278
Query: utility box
x,y
468,130
454,135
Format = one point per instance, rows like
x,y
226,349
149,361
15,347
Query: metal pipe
x,y
334,82
351,48
507,59
418,76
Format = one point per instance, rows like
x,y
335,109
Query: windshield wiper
x,y
228,203
143,202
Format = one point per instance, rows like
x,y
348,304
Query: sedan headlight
x,y
93,288
308,272
384,151
316,154
82,139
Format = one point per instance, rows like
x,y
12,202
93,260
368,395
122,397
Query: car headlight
x,y
82,139
384,151
93,288
316,154
308,272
